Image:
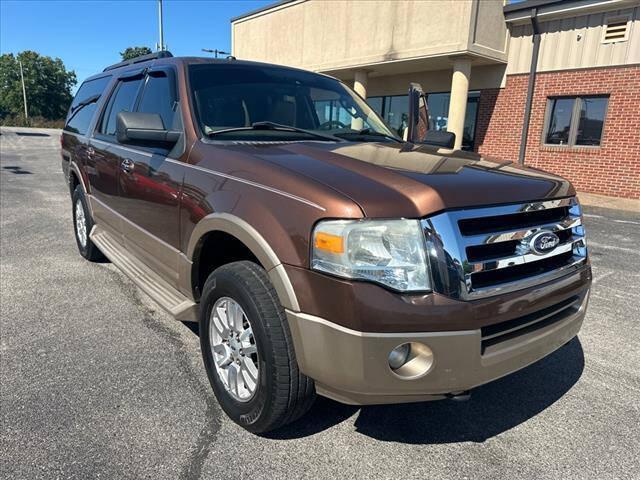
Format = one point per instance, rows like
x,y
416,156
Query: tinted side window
x,y
122,100
84,105
157,98
592,113
560,121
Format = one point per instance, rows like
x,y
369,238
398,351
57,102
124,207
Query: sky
x,y
89,34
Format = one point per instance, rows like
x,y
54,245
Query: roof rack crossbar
x,y
141,58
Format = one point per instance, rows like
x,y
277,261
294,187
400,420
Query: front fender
x,y
256,243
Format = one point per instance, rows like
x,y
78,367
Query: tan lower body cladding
x,y
353,367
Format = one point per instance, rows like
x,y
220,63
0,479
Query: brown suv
x,y
319,252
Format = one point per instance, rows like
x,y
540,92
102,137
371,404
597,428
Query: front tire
x,y
248,352
82,225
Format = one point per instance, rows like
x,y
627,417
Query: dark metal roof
x,y
529,4
263,9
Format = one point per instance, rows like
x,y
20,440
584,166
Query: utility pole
x,y
160,46
24,92
216,52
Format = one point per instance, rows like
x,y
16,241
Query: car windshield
x,y
230,99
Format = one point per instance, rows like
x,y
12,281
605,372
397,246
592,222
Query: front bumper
x,y
352,366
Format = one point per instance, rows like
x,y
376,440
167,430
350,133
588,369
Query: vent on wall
x,y
616,30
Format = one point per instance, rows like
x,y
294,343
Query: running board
x,y
170,299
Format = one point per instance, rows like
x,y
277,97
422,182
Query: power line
x,y
216,52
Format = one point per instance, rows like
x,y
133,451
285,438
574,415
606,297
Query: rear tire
x,y
281,393
82,225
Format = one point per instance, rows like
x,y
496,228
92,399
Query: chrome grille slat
x,y
489,263
518,234
512,208
505,262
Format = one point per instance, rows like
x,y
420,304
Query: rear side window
x,y
158,98
84,105
122,100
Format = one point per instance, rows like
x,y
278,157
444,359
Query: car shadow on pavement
x,y
494,408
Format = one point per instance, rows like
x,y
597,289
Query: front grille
x,y
499,334
500,223
519,272
487,251
492,251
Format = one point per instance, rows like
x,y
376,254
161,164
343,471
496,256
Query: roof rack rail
x,y
141,58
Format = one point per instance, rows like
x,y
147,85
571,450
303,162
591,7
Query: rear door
x,y
75,146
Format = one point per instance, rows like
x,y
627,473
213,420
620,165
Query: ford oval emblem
x,y
543,242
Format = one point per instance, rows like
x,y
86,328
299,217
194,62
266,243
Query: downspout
x,y
531,86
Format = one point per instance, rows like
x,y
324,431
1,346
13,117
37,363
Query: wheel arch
x,y
255,243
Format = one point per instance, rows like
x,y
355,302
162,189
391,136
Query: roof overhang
x,y
412,65
262,10
544,10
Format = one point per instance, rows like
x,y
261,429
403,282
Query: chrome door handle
x,y
90,152
127,165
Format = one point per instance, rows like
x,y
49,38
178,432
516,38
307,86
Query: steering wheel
x,y
331,124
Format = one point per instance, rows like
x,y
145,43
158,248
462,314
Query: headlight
x,y
389,252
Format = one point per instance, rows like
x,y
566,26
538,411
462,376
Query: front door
x,y
149,183
105,155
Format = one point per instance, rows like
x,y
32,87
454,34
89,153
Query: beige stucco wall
x,y
490,76
326,35
574,42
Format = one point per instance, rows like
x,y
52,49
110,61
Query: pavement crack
x,y
192,469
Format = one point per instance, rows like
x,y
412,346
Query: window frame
x,y
575,120
106,110
144,73
171,73
99,105
171,76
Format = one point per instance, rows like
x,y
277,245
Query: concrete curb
x,y
593,200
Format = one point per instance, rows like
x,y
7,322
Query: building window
x,y
394,110
575,121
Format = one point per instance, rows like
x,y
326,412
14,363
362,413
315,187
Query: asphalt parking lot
x,y
97,382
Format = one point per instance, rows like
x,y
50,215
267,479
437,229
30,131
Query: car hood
x,y
405,180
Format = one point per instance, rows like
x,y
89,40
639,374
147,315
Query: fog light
x,y
411,360
399,356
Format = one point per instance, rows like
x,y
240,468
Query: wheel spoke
x,y
235,317
249,350
249,371
220,324
245,335
234,381
224,358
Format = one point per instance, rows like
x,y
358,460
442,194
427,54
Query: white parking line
x,y
612,247
591,215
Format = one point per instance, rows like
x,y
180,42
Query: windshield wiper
x,y
369,133
275,127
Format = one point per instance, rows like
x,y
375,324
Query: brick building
x,y
579,114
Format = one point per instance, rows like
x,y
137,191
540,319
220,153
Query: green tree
x,y
47,81
133,52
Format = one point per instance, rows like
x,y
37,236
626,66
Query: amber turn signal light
x,y
329,243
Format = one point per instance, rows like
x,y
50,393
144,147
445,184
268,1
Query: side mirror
x,y
418,114
440,138
144,128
